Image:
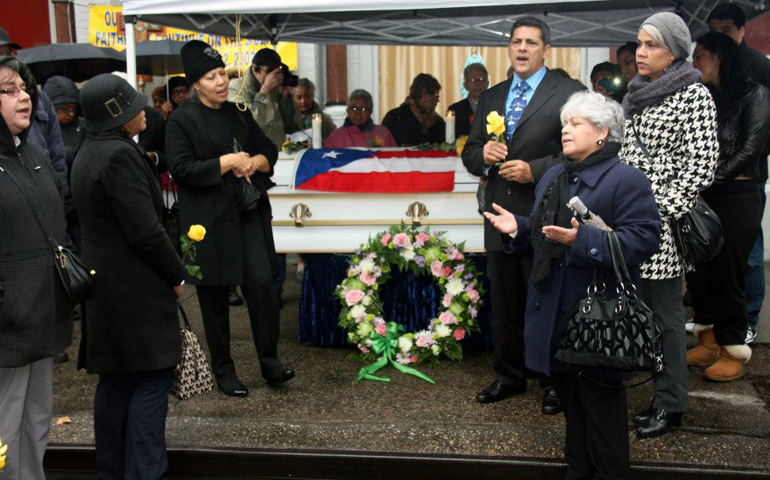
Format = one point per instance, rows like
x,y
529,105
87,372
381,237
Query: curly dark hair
x,y
733,78
423,82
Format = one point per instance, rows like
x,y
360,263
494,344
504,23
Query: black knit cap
x,y
198,59
109,102
266,57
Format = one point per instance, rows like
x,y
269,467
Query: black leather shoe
x,y
551,404
660,423
643,417
61,357
498,390
234,299
279,376
231,385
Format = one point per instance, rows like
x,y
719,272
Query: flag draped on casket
x,y
375,171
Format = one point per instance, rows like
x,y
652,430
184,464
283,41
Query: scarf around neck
x,y
553,210
643,92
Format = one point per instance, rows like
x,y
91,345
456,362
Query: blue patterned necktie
x,y
518,104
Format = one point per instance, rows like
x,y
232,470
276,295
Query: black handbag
x,y
77,279
612,333
171,220
698,233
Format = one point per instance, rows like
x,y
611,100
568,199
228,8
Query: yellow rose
x,y
460,144
495,124
196,233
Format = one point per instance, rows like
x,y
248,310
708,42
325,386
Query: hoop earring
x,y
600,142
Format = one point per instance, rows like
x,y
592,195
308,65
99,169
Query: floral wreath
x,y
421,252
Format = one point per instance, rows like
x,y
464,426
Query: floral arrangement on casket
x,y
423,253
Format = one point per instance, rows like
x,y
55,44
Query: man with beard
x,y
476,80
415,121
530,102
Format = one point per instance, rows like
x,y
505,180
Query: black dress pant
x,y
130,425
717,286
596,444
508,278
261,299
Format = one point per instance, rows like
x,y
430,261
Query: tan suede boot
x,y
730,365
707,351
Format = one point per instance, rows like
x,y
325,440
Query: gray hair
x,y
600,111
655,34
363,95
474,67
307,85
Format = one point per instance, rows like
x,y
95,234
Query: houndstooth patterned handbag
x,y
193,376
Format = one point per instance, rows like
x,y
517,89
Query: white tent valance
x,y
427,22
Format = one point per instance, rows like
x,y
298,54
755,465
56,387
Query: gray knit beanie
x,y
674,31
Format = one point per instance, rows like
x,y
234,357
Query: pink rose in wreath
x,y
435,268
446,272
401,240
447,300
385,239
473,295
352,297
447,318
381,329
368,278
420,239
459,334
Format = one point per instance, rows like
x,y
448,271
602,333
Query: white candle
x,y
449,134
317,138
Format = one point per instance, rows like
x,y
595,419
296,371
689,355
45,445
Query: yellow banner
x,y
107,29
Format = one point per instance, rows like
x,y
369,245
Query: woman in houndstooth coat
x,y
671,116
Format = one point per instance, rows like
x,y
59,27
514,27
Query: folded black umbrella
x,y
76,61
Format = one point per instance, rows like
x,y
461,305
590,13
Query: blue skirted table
x,y
407,299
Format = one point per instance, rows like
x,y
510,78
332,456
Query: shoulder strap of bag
x,y
184,315
38,217
640,142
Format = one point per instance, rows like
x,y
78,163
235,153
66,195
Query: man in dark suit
x,y
530,101
475,80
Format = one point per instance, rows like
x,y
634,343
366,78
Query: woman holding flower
x,y
222,163
131,336
566,254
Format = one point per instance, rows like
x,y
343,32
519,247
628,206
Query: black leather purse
x,y
698,233
77,279
612,333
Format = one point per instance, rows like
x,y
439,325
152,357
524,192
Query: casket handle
x,y
416,211
299,212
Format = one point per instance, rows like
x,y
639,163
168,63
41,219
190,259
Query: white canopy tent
x,y
427,22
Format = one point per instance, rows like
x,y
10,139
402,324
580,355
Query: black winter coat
x,y
35,311
408,131
744,137
132,322
196,136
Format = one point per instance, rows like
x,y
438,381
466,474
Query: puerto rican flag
x,y
390,170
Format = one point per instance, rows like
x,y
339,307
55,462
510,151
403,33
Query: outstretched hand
x,y
562,235
505,221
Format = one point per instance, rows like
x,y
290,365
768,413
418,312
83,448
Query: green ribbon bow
x,y
385,346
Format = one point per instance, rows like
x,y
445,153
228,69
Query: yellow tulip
x,y
3,449
197,233
460,144
495,124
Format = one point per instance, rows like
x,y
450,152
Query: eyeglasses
x,y
360,109
477,80
13,92
70,110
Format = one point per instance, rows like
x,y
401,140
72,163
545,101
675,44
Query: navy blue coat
x,y
621,195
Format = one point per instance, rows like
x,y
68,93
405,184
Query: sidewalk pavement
x,y
324,408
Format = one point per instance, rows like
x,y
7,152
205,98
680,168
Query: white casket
x,y
341,222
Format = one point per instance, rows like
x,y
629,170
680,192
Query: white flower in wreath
x,y
405,344
455,286
442,331
403,358
367,300
366,265
435,349
358,311
407,253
